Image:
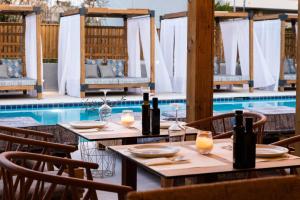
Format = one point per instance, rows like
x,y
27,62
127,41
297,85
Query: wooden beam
x,y
230,15
39,57
82,55
152,52
174,15
298,88
200,59
11,9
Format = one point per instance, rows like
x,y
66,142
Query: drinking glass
x,y
127,118
204,142
105,110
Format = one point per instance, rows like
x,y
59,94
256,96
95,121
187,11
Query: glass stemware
x,y
105,110
176,130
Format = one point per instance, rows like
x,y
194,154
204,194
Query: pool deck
x,y
54,97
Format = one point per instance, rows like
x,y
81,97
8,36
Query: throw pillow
x,y
117,67
94,61
91,71
14,67
106,71
3,71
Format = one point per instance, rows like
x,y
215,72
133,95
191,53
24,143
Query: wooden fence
x,y
101,42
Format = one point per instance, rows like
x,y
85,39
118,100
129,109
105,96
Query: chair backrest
x,y
222,125
31,183
267,189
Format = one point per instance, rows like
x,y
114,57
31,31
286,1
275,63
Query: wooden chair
x,y
278,188
35,183
222,125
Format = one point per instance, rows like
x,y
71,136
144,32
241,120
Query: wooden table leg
x,y
129,168
166,182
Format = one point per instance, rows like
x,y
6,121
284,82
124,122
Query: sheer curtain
x,y
180,56
267,54
31,47
69,56
134,49
235,34
173,40
140,33
230,42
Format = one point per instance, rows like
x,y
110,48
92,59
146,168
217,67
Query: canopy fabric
x,y
69,56
235,35
139,33
31,47
267,54
174,47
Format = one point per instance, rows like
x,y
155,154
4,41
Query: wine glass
x,y
105,110
176,131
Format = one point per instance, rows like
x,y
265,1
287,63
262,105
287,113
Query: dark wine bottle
x,y
250,144
155,122
238,141
146,115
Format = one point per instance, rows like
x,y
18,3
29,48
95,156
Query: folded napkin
x,y
163,161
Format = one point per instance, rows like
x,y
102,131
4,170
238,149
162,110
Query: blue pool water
x,y
50,116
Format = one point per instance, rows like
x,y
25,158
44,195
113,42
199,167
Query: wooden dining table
x,y
219,161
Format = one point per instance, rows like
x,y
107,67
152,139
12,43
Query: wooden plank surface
x,y
198,162
200,59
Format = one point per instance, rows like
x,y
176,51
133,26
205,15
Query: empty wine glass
x,y
105,110
176,131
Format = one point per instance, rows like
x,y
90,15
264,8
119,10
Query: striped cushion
x,y
218,78
128,80
290,77
96,81
17,82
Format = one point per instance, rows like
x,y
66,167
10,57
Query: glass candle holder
x,y
127,118
204,142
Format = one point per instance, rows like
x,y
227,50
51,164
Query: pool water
x,y
51,116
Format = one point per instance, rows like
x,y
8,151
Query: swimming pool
x,y
53,114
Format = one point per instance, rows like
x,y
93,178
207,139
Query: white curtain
x,y
139,32
134,49
167,42
174,47
31,46
267,54
69,56
235,34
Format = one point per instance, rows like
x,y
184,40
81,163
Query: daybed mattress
x,y
117,81
291,77
17,82
224,78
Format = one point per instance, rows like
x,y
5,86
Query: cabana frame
x,y
285,18
219,16
23,11
113,13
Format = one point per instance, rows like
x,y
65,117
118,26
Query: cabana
x,y
233,48
237,27
86,51
288,47
21,52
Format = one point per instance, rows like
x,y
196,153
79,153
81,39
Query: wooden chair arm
x,y
5,163
288,141
26,132
39,143
224,135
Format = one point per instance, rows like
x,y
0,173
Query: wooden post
x,y
23,53
297,87
251,55
82,54
39,56
152,51
200,59
282,56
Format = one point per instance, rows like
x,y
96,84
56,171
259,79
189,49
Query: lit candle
x,y
204,143
127,118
